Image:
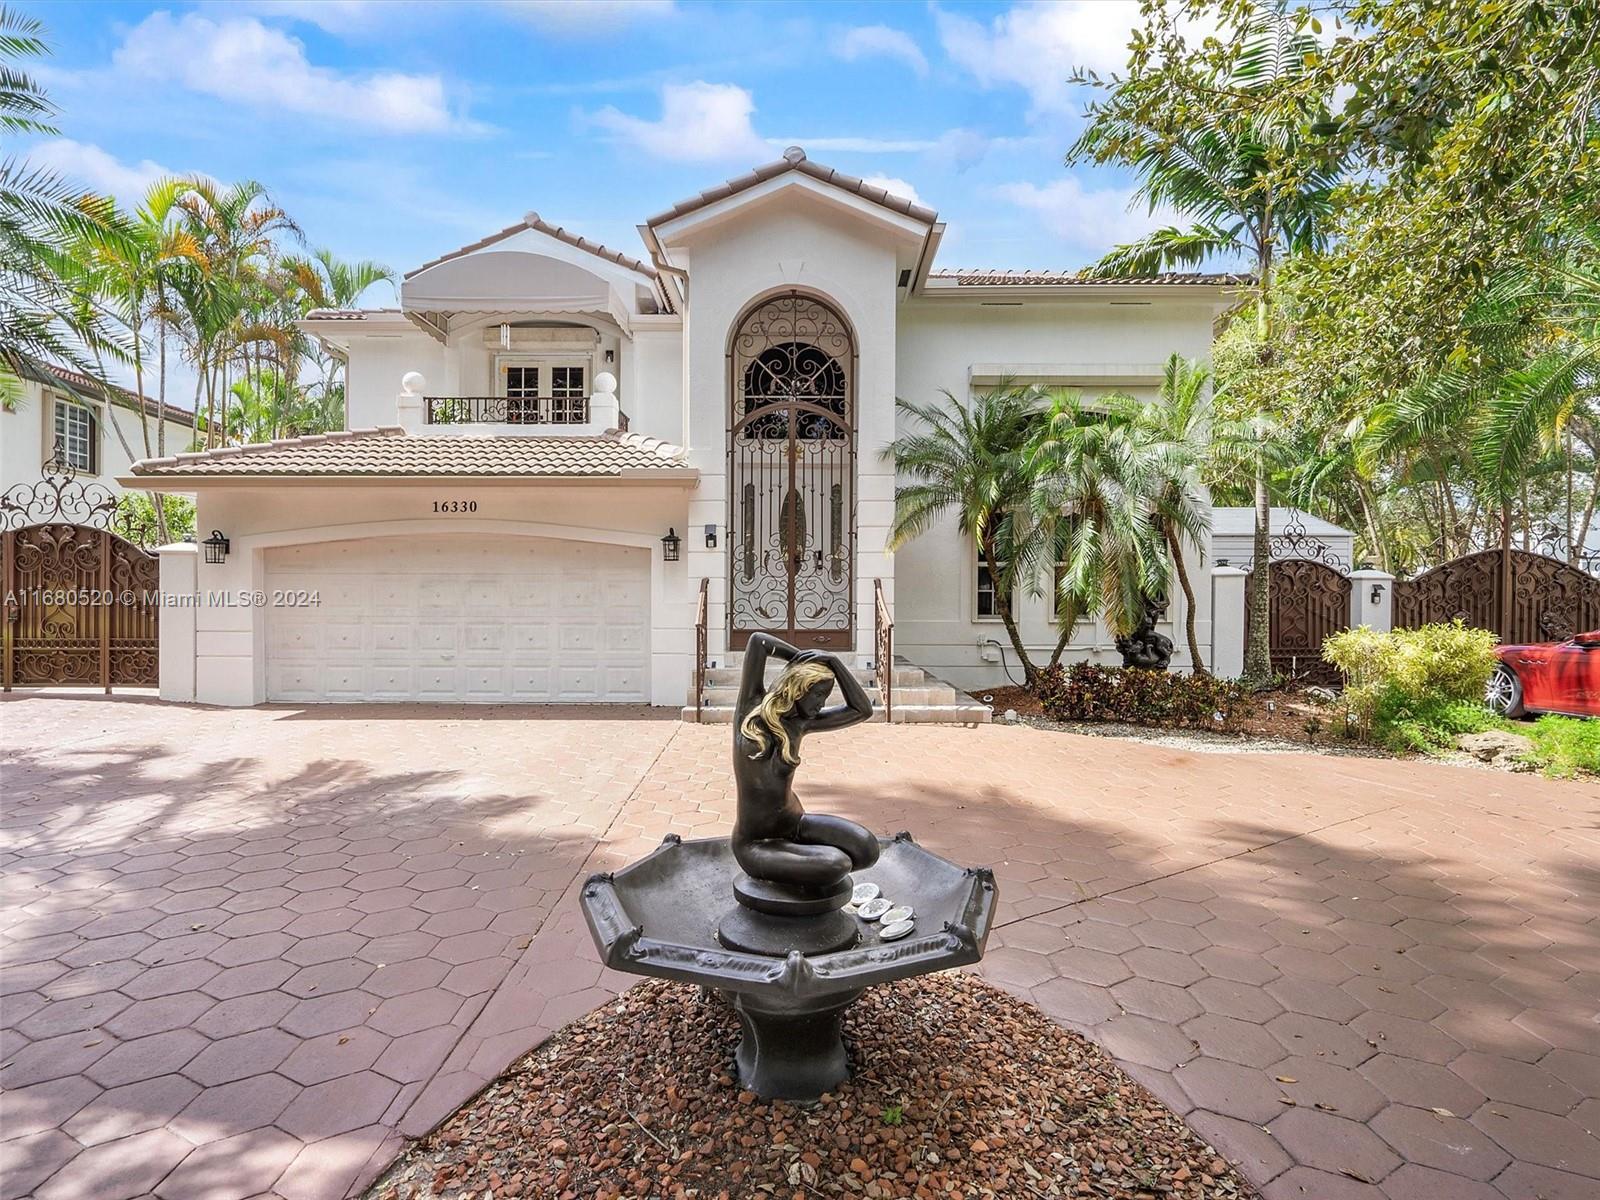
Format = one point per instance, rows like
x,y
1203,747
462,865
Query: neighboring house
x,y
540,412
1295,534
90,421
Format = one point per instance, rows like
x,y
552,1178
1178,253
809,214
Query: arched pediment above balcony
x,y
513,282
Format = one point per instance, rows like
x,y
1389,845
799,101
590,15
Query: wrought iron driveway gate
x,y
1308,601
1522,596
81,604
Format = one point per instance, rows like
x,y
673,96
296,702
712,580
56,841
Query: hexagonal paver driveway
x,y
245,952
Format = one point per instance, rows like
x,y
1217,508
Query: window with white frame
x,y
989,593
75,430
545,390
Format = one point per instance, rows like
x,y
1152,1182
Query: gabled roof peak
x,y
794,159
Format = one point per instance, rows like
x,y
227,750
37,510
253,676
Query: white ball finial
x,y
412,383
605,383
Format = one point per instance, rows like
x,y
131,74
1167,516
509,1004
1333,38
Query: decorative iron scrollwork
x,y
58,495
791,449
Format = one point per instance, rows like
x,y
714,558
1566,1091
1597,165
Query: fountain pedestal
x,y
669,915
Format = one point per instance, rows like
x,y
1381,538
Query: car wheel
x,y
1503,692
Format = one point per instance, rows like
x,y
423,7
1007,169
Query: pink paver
x,y
248,950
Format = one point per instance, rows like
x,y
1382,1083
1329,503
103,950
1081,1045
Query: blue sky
x,y
400,131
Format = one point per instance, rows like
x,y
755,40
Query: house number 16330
x,y
455,506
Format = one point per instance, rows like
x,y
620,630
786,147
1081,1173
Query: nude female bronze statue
x,y
796,864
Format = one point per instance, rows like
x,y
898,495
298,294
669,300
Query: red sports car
x,y
1554,677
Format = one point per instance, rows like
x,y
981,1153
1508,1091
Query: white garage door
x,y
458,617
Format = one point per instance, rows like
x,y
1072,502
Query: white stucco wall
x,y
791,242
27,438
229,638
1091,343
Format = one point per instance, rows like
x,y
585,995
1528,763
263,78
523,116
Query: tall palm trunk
x,y
1258,648
1002,602
1181,569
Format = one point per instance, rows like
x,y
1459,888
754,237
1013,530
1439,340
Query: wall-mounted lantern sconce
x,y
1377,593
669,546
1222,562
611,356
216,547
711,537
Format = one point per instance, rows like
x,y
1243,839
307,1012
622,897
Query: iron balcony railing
x,y
883,647
507,410
701,632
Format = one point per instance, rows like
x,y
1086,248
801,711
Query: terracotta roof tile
x,y
389,451
52,375
967,277
534,221
794,159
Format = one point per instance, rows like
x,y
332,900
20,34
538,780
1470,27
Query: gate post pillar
x,y
1227,621
180,603
1372,600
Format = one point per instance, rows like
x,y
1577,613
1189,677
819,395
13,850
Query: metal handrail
x,y
506,410
883,647
700,639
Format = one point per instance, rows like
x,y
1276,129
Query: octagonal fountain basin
x,y
660,916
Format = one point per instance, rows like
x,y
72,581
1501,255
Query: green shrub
x,y
1087,692
1565,746
1414,685
1427,726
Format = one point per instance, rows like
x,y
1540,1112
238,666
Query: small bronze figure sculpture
x,y
1144,647
796,864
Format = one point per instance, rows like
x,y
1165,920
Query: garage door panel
x,y
460,618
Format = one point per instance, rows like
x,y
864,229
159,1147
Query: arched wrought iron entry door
x,y
792,474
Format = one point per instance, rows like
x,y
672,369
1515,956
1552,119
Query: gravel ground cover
x,y
959,1090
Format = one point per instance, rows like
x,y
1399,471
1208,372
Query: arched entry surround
x,y
792,370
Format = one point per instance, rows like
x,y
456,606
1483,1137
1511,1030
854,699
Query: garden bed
x,y
960,1089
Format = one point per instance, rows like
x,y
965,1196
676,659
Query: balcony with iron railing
x,y
488,416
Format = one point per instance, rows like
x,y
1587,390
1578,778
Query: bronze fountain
x,y
769,916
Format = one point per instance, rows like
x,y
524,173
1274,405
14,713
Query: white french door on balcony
x,y
552,391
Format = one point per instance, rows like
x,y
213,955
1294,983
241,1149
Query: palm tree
x,y
235,227
1185,443
1228,176
1529,374
42,314
326,281
1095,496
968,459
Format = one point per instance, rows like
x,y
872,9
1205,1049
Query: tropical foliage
x,y
1101,500
1423,348
202,272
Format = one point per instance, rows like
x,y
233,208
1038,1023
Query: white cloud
x,y
858,145
895,187
880,41
700,122
332,16
95,169
240,59
1092,220
1036,46
579,18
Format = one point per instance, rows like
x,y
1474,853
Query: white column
x,y
604,412
409,405
1227,621
179,574
1372,600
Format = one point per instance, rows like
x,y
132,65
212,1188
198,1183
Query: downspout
x,y
658,259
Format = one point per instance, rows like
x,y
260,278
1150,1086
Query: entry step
x,y
918,698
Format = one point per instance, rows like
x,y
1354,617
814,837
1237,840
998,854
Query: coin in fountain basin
x,y
871,910
896,930
900,912
863,892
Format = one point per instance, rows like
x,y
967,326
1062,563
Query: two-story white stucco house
x,y
555,449
102,431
